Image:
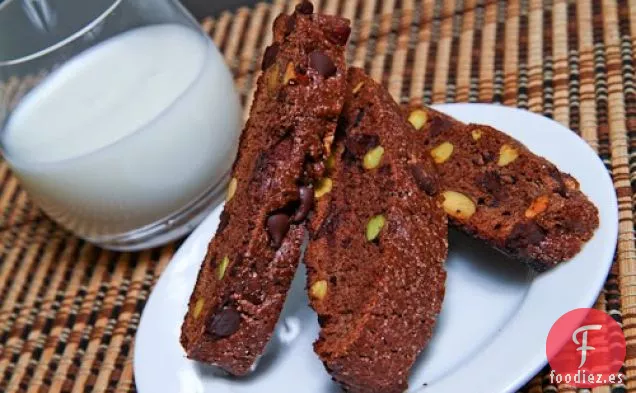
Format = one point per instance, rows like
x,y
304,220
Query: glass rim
x,y
13,160
78,34
5,3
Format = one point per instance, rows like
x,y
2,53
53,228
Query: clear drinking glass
x,y
119,117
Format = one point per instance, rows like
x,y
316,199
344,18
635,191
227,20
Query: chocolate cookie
x,y
250,263
378,241
499,191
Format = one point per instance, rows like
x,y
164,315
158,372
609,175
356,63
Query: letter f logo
x,y
584,347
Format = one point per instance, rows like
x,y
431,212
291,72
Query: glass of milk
x,y
119,117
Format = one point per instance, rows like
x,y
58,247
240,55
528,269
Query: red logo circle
x,y
586,348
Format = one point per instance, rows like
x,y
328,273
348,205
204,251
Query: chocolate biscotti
x,y
250,263
497,190
378,241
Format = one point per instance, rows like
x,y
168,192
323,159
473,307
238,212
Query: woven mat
x,y
69,311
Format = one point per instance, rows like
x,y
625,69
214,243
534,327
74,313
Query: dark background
x,y
203,8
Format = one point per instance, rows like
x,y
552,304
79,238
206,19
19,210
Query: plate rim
x,y
532,366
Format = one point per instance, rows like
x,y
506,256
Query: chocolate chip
x,y
277,227
306,195
224,323
270,56
322,64
525,234
339,34
424,181
224,220
305,8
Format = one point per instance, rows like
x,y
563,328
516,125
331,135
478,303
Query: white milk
x,y
128,132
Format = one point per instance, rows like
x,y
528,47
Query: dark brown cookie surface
x,y
496,189
250,263
378,243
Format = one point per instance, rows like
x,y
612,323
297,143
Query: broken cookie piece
x,y
250,263
499,191
378,242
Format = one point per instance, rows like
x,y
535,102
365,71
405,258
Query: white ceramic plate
x,y
495,319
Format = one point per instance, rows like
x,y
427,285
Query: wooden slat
x,y
68,311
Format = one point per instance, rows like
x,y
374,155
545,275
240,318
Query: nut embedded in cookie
x,y
458,205
418,118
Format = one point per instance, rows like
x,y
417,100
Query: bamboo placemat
x,y
69,311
